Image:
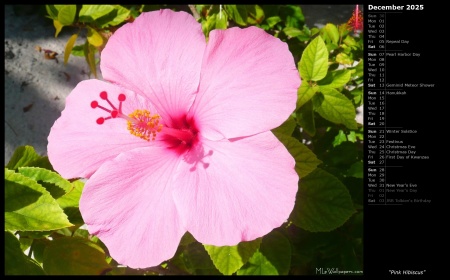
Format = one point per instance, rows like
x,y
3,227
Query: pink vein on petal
x,y
128,204
161,60
248,85
77,145
245,189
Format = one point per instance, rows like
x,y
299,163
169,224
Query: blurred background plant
x,y
45,233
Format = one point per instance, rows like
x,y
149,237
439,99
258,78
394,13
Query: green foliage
x,y
305,160
324,203
314,63
272,258
38,203
228,259
16,262
74,256
44,231
98,21
29,206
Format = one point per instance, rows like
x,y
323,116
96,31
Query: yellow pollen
x,y
144,125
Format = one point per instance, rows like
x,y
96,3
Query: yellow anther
x,y
144,125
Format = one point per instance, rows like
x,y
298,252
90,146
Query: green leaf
x,y
82,233
74,256
335,79
292,16
187,239
323,203
255,14
195,260
90,13
52,11
358,71
258,265
23,156
208,24
228,259
340,137
272,21
29,206
350,41
305,92
94,38
70,203
351,136
78,50
343,155
38,249
335,107
116,17
292,31
41,174
16,262
344,58
276,249
238,13
305,160
118,270
305,118
69,46
42,162
286,128
356,170
25,242
221,20
272,258
66,14
314,62
72,197
330,33
36,234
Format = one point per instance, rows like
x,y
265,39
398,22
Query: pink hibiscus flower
x,y
179,137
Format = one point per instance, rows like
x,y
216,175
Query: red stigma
x,y
103,95
114,112
94,104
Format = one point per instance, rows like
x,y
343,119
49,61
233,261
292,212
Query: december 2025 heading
x,y
395,7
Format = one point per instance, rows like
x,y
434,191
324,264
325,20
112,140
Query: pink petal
x,y
238,192
248,85
128,204
159,55
77,145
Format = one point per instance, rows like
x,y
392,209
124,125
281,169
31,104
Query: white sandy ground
x,y
35,87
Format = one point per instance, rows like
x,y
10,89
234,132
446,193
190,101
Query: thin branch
x,y
194,12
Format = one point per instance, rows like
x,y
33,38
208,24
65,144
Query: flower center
x,y
182,135
144,125
141,123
